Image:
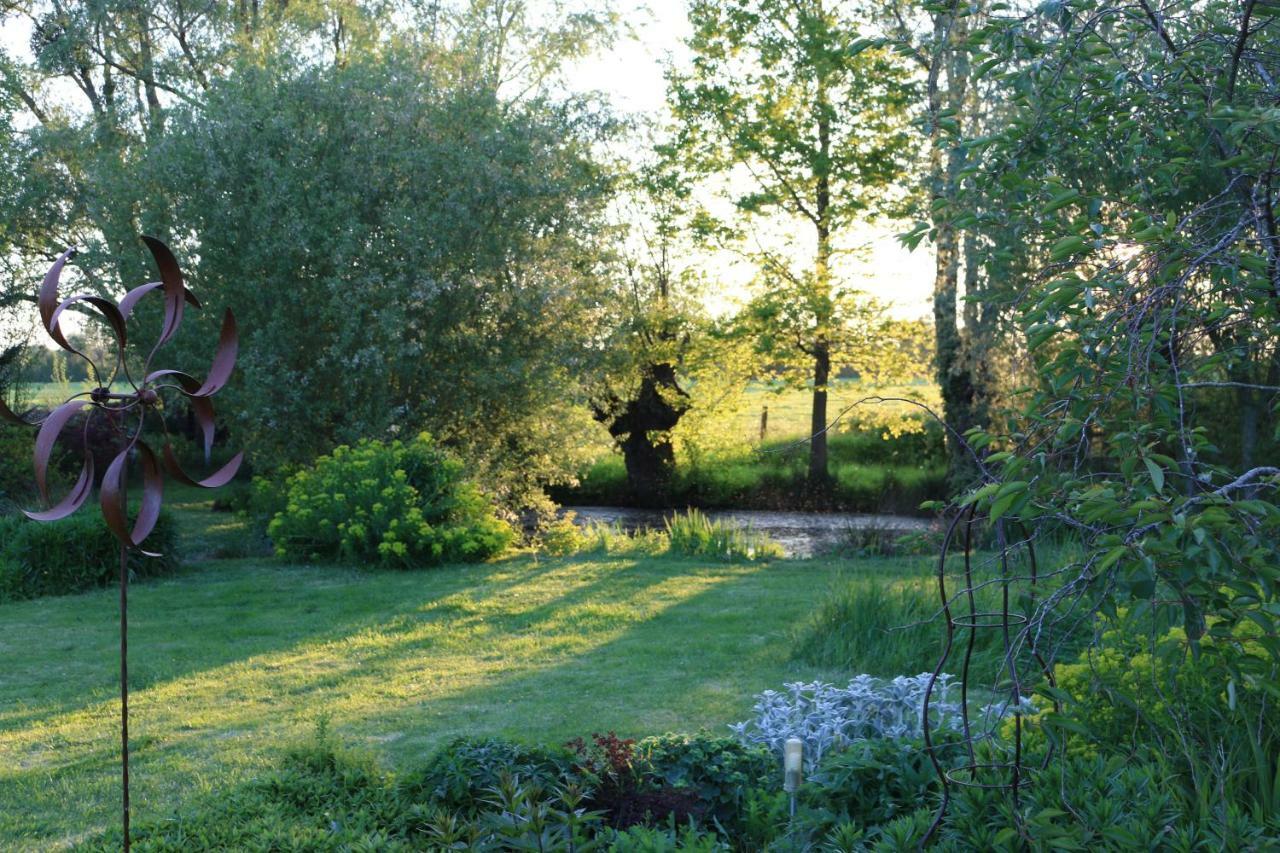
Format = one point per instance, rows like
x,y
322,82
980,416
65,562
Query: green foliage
x,y
874,797
648,839
561,537
872,782
399,504
405,250
15,464
601,538
693,534
888,628
461,775
1161,698
1141,280
1095,803
75,554
792,95
718,770
873,472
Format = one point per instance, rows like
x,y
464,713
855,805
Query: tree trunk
x,y
642,427
953,367
819,475
650,464
1247,400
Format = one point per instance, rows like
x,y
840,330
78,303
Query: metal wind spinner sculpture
x,y
135,400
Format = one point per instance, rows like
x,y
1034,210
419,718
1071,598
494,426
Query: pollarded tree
x,y
651,322
803,122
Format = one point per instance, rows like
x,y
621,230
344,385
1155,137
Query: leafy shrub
x,y
1161,698
461,775
827,717
561,537
399,504
717,770
693,534
75,554
15,465
1097,804
873,781
621,791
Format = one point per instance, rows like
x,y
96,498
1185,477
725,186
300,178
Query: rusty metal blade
x,y
174,289
224,362
152,495
111,497
131,298
74,499
50,429
224,358
105,307
48,299
201,406
10,415
218,478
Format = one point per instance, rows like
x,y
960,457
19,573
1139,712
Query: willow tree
x,y
803,122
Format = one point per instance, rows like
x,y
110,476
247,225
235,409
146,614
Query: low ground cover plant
x,y
399,503
829,718
875,795
75,554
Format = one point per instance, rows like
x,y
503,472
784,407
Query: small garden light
x,y
792,761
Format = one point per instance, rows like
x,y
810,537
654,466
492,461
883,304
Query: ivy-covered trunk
x,y
959,354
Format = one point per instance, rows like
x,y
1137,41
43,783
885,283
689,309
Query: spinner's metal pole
x,y
124,687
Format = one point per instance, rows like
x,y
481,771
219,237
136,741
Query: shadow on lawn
x,y
202,617
593,643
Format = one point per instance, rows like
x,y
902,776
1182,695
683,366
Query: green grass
x,y
880,460
790,409
52,393
869,474
231,659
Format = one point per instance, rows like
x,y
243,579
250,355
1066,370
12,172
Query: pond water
x,y
801,534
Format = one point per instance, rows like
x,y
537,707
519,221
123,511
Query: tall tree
x,y
403,255
936,37
1138,165
802,121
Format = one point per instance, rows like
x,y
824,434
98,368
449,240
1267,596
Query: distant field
x,y
789,409
52,393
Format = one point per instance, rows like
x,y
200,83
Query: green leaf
x,y
1066,247
1060,200
1156,472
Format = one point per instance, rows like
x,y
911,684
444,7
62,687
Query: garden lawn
x,y
231,659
